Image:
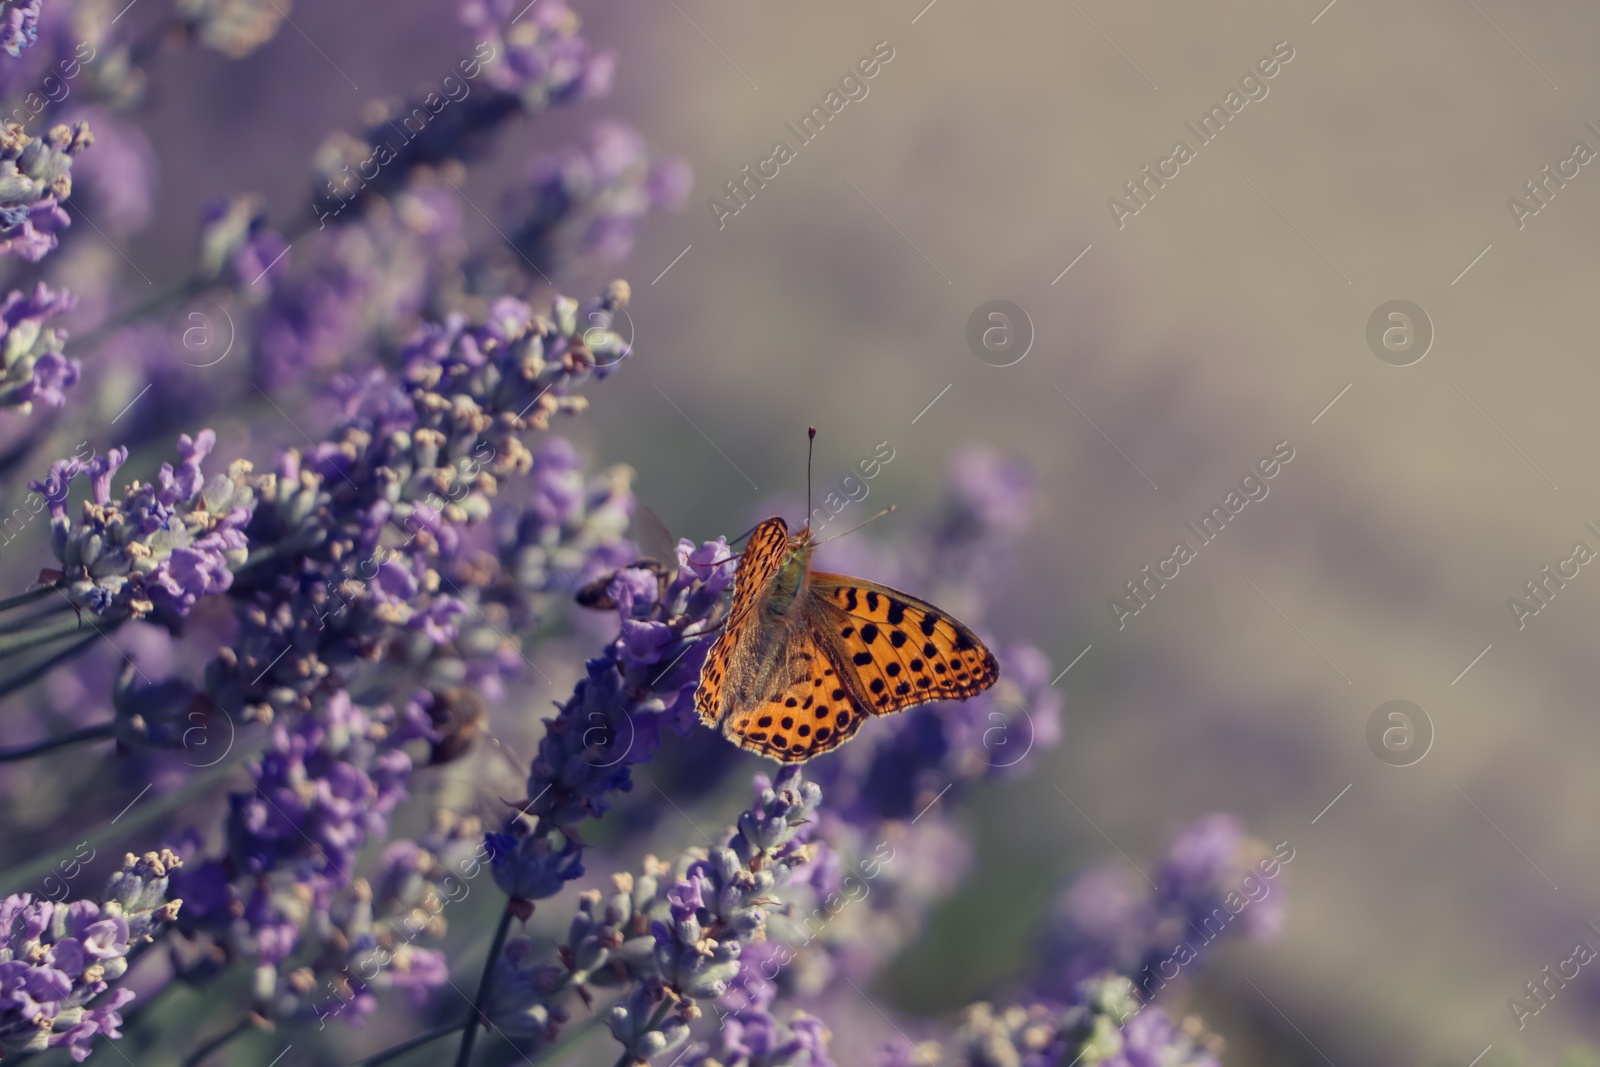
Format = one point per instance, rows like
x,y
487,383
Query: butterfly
x,y
806,656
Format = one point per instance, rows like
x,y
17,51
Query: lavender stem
x,y
469,1033
98,732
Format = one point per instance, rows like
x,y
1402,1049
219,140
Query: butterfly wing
x,y
655,541
897,651
798,709
760,560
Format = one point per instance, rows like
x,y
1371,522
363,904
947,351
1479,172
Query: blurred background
x,y
1163,354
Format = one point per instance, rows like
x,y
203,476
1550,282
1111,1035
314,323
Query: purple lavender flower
x,y
672,936
1213,872
324,787
367,285
988,491
1213,881
521,65
612,721
385,501
58,960
756,1038
583,206
35,176
19,24
572,530
157,550
1104,1024
540,58
238,246
35,369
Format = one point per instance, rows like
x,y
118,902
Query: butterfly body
x,y
806,655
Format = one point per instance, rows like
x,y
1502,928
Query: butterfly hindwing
x,y
902,651
803,710
760,560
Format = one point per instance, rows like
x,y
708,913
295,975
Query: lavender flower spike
x,y
57,958
672,938
35,176
159,548
19,24
34,368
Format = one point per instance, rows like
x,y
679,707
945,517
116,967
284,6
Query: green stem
x,y
26,598
188,287
22,640
655,1020
469,1032
14,625
45,666
401,1049
38,748
199,1055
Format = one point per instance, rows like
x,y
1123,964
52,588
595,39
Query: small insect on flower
x,y
656,543
806,656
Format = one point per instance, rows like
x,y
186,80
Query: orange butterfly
x,y
806,656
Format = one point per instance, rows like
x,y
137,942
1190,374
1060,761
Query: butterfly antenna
x,y
886,511
811,444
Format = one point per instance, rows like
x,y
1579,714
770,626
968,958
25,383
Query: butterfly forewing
x,y
759,561
899,650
